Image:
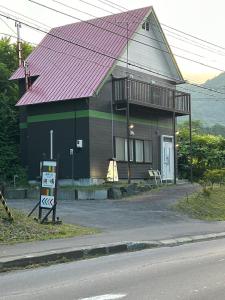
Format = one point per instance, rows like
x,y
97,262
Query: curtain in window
x,y
131,150
120,148
139,150
148,151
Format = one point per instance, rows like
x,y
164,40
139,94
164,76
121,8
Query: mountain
x,y
208,106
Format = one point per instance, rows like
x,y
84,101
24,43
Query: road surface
x,y
191,271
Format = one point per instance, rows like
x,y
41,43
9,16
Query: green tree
x,y
208,152
9,123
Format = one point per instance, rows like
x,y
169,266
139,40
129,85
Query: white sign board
x,y
48,179
47,201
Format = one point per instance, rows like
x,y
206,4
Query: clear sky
x,y
201,18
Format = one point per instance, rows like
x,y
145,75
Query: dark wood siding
x,y
66,132
149,123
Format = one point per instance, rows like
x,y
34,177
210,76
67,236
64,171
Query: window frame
x,y
133,140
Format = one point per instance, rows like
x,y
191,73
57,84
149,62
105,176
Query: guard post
x,y
48,190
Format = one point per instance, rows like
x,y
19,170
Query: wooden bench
x,y
156,175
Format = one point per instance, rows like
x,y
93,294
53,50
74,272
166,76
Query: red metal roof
x,y
75,69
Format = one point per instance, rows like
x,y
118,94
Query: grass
x,y
208,205
24,229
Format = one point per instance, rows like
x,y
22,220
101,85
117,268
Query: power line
x,y
106,55
90,43
121,7
95,6
180,31
190,35
184,40
37,22
8,26
105,2
191,42
138,33
74,57
116,24
104,29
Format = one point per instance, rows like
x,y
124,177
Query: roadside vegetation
x,y
209,203
9,113
24,229
208,151
209,207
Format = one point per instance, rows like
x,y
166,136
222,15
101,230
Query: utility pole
x,y
22,63
27,74
19,43
128,112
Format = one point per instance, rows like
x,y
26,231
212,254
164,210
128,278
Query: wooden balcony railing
x,y
151,95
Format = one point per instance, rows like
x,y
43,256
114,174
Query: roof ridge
x,y
104,17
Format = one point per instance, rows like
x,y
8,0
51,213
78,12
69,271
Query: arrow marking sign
x,y
47,201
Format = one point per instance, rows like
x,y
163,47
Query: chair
x,y
156,175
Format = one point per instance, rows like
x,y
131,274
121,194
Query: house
x,y
98,84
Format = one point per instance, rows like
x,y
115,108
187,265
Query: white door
x,y
167,157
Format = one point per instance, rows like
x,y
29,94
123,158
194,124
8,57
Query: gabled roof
x,y
72,60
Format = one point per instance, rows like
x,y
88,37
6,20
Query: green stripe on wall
x,y
51,117
23,125
88,113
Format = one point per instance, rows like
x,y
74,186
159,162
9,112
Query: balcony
x,y
150,95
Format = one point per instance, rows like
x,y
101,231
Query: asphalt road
x,y
191,271
117,215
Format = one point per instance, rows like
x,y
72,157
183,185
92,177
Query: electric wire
x,y
105,55
130,39
72,56
138,33
124,9
8,25
31,19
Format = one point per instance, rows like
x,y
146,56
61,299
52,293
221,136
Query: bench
x,y
156,175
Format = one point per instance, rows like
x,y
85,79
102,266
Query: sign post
x,y
48,190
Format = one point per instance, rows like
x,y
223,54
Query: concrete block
x,y
92,194
33,194
114,193
66,194
16,194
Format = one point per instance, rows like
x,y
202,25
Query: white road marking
x,y
106,297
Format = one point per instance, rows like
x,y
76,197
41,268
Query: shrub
x,y
215,176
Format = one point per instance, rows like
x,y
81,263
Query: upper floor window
x,y
146,26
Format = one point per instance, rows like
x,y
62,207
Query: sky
x,y
202,18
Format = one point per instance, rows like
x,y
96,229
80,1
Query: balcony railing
x,y
151,95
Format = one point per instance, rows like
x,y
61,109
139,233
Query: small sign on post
x,y
48,189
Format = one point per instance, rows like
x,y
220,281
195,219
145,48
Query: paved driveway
x,y
114,215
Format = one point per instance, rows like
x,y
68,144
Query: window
x,y
146,26
120,148
139,150
148,151
131,150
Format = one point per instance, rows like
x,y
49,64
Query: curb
x,y
60,256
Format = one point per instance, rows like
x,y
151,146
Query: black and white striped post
x,y
6,207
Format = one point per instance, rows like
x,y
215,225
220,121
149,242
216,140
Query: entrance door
x,y
167,157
